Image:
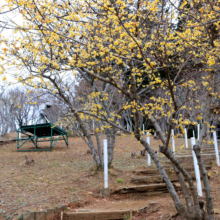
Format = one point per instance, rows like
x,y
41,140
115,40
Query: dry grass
x,y
66,174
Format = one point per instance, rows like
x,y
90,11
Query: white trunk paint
x,y
196,167
143,127
193,133
173,142
216,148
186,140
148,155
105,164
198,131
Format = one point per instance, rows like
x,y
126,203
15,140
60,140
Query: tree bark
x,y
167,152
99,141
178,204
90,142
197,149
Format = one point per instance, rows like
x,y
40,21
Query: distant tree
x,y
24,110
16,109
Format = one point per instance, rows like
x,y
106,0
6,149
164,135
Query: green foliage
x,y
119,180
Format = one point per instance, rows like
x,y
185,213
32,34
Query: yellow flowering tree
x,y
161,57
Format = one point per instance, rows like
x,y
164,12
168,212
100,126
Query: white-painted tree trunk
x,y
173,142
193,133
186,140
196,167
198,131
105,164
148,155
216,148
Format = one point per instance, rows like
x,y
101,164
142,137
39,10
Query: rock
x,y
19,217
1,210
8,217
153,203
73,201
15,213
61,208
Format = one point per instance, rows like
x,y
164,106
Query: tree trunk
x,y
178,204
167,152
111,134
99,141
197,149
90,142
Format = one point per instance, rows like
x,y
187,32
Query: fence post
x,y
105,164
148,155
196,167
186,141
216,147
173,142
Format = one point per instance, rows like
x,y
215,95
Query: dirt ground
x,y
67,174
